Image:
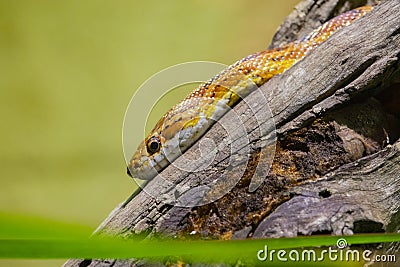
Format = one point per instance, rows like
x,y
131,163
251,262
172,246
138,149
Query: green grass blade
x,y
27,237
116,248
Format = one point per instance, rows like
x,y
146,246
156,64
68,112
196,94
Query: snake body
x,y
186,122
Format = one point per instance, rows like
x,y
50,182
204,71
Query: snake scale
x,y
186,122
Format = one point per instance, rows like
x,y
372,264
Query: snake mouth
x,y
142,171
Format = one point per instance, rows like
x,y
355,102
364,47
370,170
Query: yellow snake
x,y
186,122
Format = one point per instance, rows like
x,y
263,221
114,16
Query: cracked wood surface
x,y
331,172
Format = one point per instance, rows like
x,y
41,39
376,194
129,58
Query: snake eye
x,y
153,145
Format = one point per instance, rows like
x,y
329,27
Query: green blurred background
x,y
68,71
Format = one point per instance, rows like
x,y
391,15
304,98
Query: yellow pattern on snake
x,y
186,122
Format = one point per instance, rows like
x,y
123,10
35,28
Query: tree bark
x,y
336,157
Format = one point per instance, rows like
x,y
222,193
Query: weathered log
x,y
336,165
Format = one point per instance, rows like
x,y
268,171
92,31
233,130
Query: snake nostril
x,y
128,171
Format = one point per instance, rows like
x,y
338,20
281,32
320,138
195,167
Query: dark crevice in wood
x,y
85,263
325,193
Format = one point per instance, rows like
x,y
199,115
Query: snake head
x,y
148,159
172,135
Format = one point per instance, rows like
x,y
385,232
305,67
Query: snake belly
x,y
187,121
